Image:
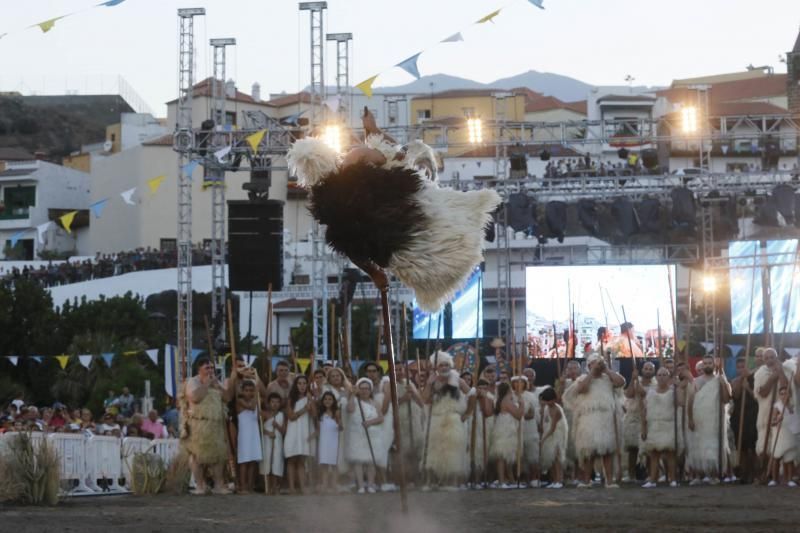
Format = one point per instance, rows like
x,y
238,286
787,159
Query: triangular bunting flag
x,y
356,365
384,364
303,364
255,139
537,3
249,359
410,65
708,346
792,351
488,18
37,358
155,183
14,239
98,206
13,359
111,3
85,360
47,25
366,85
153,355
62,360
41,229
127,196
66,220
221,153
188,168
292,119
456,37
735,349
195,352
108,357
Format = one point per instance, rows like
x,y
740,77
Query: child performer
x,y
330,424
249,444
274,429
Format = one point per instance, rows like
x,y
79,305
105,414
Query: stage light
x,y
689,119
709,283
332,136
475,130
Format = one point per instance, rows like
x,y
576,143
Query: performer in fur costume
x,y
594,405
508,412
480,413
766,381
447,442
658,427
554,438
203,426
412,429
632,420
530,432
704,421
383,212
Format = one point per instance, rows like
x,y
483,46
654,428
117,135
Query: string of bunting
x,y
130,196
47,25
410,64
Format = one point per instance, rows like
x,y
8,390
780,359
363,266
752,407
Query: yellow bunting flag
x,y
47,25
62,360
489,17
134,352
384,365
66,220
303,364
255,139
366,86
155,183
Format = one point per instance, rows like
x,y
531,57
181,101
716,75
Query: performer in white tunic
x,y
554,438
704,420
339,386
272,443
447,443
766,381
508,411
632,420
479,423
783,441
563,388
382,400
248,454
660,417
297,442
594,407
363,434
530,433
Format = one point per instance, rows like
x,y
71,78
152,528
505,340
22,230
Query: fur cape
x,y
431,238
593,417
448,439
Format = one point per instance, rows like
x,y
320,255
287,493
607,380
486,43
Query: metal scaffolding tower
x,y
342,71
183,143
215,176
317,59
707,249
501,235
703,125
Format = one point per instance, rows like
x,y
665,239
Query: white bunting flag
x,y
127,196
153,355
86,360
220,154
41,229
13,359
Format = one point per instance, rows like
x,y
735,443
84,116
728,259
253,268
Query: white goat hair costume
x,y
554,447
661,414
762,375
438,244
478,420
448,437
357,451
530,429
704,448
412,430
593,417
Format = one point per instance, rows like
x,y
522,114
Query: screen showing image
x,y
467,315
598,294
745,285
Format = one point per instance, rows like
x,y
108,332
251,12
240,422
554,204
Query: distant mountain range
x,y
562,87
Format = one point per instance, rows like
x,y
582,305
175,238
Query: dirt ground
x,y
730,508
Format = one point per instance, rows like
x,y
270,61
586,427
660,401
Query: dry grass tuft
x,y
29,473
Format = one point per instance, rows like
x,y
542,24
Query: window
x,y
17,201
230,118
168,245
423,115
301,279
469,112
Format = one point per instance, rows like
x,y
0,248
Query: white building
x,y
35,192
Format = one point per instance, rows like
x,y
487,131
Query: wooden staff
x,y
332,354
746,359
658,325
721,436
617,447
476,378
404,332
674,360
430,409
268,337
366,431
518,372
232,339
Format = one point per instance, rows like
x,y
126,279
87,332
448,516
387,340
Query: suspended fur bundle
x,y
393,216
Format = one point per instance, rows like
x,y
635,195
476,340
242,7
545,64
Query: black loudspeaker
x,y
625,215
544,155
518,162
587,214
649,211
623,153
555,213
255,245
684,210
650,158
521,212
784,201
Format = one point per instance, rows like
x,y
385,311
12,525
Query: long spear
x,y
721,408
746,358
430,409
517,365
674,360
404,340
658,325
268,337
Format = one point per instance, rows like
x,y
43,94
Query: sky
x,y
597,41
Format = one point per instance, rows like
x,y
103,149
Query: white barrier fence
x,y
86,460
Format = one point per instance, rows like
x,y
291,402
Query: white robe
x,y
661,416
276,454
593,417
358,446
448,438
704,449
554,447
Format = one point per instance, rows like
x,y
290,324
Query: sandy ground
x,y
730,508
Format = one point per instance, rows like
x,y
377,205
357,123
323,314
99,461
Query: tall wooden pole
x,y
268,339
744,399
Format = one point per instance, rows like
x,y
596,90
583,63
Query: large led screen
x,y
467,313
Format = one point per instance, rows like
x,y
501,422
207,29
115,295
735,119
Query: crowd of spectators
x,y
585,166
102,266
121,417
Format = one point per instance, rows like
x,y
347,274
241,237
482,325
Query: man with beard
x,y
766,381
593,405
632,420
704,420
744,399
